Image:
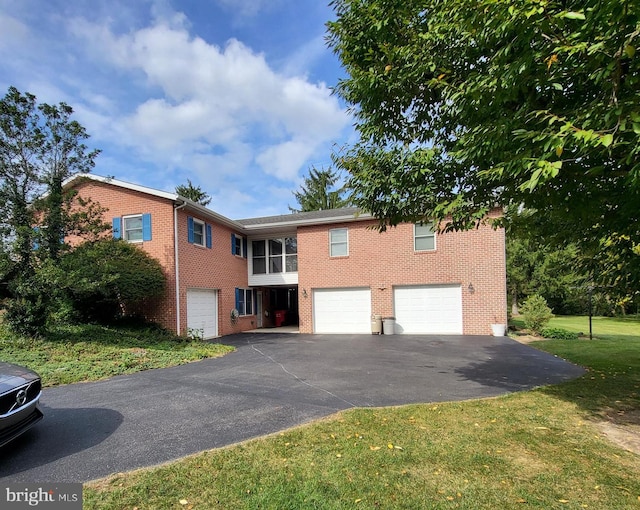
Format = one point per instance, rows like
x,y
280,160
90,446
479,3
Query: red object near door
x,y
280,316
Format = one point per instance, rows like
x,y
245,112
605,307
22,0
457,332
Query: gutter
x,y
177,265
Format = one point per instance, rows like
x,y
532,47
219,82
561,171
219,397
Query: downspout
x,y
175,256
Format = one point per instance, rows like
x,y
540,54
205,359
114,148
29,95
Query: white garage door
x,y
428,309
202,312
342,310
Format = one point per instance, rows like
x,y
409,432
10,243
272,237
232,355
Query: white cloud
x,y
285,159
215,96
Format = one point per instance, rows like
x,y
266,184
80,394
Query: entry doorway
x,y
283,302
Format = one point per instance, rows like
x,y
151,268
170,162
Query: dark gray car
x,y
20,390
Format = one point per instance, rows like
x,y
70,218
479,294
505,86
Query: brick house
x,y
326,271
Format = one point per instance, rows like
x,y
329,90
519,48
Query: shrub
x,y
27,316
536,313
559,334
107,278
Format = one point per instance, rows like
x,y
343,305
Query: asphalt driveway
x,y
271,382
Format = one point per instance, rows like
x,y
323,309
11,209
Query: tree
x,y
534,268
319,192
19,178
40,147
193,193
465,104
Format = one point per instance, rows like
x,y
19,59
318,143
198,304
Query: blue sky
x,y
232,94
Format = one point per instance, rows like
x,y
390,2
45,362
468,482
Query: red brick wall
x,y
123,202
216,269
376,260
381,260
202,268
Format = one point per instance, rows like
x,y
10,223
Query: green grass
x,y
537,449
72,354
603,327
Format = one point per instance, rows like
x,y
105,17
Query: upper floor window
x,y
291,254
338,242
134,228
198,232
259,257
238,246
424,237
275,255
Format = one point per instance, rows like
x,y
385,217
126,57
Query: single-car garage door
x,y
202,312
428,309
342,310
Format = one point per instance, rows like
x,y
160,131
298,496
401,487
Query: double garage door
x,y
202,312
419,309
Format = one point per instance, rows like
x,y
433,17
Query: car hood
x,y
12,376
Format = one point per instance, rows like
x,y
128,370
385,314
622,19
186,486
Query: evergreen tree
x,y
319,192
193,193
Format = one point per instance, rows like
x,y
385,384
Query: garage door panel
x,y
342,310
429,309
202,311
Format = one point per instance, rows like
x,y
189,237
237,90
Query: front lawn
x,y
72,354
537,449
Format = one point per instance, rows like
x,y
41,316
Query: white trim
x,y
312,221
124,184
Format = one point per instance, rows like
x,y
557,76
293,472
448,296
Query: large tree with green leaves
x,y
320,192
40,147
465,104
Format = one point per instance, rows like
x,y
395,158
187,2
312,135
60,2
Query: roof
x,y
305,218
247,226
289,222
173,197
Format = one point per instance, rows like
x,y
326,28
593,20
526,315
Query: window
x,y
424,238
275,255
291,254
199,232
259,257
338,242
133,228
244,301
238,246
